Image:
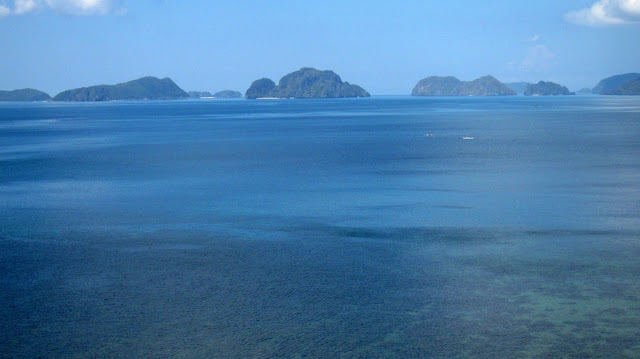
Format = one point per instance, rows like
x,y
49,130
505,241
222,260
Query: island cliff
x,y
305,83
146,88
451,86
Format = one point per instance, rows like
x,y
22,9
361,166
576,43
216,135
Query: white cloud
x,y
538,58
4,11
607,12
534,38
25,6
81,7
67,7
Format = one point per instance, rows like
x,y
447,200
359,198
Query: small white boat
x,y
467,138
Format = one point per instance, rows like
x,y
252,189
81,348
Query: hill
x,y
146,88
227,94
543,88
451,86
27,95
629,88
605,86
305,83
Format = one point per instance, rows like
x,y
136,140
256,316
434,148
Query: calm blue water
x,y
355,228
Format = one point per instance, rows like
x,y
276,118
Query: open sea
x,y
387,227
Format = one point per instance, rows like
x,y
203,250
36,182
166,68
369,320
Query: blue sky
x,y
384,46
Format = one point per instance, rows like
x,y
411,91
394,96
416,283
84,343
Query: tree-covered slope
x,y
146,88
24,95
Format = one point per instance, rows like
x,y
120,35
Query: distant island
x,y
451,86
616,85
585,90
518,87
227,94
146,88
199,94
305,83
543,88
219,94
27,95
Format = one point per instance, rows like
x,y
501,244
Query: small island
x,y
305,83
451,86
584,91
543,88
200,94
25,95
617,85
146,88
227,94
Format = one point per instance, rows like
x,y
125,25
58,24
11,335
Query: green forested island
x,y
227,94
28,95
612,85
451,86
146,88
305,83
627,88
543,88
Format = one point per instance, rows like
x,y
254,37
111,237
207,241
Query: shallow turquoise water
x,y
327,228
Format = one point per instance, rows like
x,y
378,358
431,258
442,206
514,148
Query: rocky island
x,y
543,88
27,95
451,86
146,88
305,83
617,85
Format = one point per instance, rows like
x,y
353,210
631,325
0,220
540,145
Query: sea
x,y
382,227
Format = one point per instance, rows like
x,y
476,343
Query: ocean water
x,y
348,228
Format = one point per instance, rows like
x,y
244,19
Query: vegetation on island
x,y
546,88
146,88
629,88
611,84
305,83
451,86
27,95
227,94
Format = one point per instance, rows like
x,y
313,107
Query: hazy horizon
x,y
55,45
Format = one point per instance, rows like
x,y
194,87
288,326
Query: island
x,y
305,83
518,87
227,94
584,91
25,95
548,88
200,94
146,88
451,86
610,85
629,88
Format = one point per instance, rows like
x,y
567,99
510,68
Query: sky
x,y
384,46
